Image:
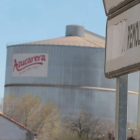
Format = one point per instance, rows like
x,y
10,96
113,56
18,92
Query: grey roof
x,y
70,41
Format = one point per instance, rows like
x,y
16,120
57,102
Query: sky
x,y
33,20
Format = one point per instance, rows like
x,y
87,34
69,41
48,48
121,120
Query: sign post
x,y
138,115
121,108
122,53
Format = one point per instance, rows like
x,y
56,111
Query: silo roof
x,y
70,41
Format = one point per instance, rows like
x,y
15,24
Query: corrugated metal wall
x,y
72,66
68,65
70,100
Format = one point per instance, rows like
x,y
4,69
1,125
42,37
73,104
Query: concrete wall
x,y
11,131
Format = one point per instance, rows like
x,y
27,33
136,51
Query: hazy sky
x,y
33,20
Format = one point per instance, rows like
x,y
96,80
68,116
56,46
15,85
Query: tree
x,y
41,118
67,135
44,119
86,125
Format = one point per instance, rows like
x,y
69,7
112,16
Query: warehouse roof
x,y
1,114
70,41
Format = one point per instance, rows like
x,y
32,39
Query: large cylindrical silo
x,y
68,71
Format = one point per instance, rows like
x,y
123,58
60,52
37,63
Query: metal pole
x,y
138,115
121,108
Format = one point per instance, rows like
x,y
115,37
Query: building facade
x,y
68,71
12,130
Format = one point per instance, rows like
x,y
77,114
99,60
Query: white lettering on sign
x,y
30,65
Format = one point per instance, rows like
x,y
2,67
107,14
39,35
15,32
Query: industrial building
x,y
12,130
68,71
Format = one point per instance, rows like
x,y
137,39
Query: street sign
x,y
122,53
123,41
114,5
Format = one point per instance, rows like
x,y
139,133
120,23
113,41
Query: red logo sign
x,y
35,60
